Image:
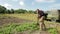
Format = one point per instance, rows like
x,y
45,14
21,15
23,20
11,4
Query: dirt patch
x,y
6,20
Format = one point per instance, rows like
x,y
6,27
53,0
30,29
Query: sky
x,y
31,4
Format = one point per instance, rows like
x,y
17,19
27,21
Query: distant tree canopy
x,y
9,11
3,10
20,11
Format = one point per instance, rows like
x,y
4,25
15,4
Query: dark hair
x,y
40,12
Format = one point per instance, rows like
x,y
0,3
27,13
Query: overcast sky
x,y
31,4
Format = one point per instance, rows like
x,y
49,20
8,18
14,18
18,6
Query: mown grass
x,y
11,28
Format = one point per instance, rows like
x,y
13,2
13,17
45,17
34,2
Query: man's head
x,y
37,10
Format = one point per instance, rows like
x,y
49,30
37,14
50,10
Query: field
x,y
24,24
32,17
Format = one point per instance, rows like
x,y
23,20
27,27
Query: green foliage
x,y
31,11
9,11
10,28
7,29
19,28
27,26
12,11
20,11
52,31
2,9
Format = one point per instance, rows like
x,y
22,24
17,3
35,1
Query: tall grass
x,y
26,16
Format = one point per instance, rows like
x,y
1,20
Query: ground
x,y
14,19
6,20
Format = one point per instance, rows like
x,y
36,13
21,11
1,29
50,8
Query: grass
x,y
2,16
26,16
8,29
11,28
52,31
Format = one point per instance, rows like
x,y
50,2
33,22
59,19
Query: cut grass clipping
x,y
11,28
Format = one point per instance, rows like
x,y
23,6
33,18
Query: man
x,y
40,20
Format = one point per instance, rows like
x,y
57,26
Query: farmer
x,y
41,19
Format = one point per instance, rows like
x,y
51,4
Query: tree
x,y
30,11
8,11
2,9
12,10
20,11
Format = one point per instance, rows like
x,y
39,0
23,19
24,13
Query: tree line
x,y
4,10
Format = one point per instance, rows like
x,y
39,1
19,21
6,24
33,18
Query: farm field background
x,y
27,16
20,16
33,23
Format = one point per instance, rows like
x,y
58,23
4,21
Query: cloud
x,y
11,0
8,6
45,1
39,0
50,0
21,3
33,3
14,0
54,6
